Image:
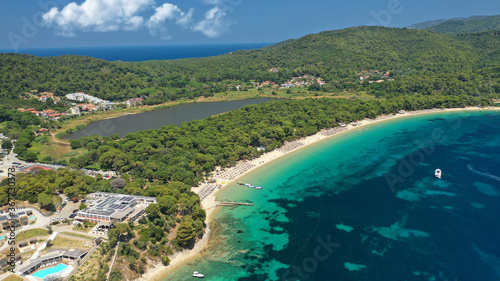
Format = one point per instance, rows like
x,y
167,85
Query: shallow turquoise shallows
x,y
44,272
365,205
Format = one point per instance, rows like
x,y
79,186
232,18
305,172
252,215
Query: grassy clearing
x,y
78,235
25,235
63,242
14,278
53,150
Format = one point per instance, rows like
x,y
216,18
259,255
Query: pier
x,y
232,204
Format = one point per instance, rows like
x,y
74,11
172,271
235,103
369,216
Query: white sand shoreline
x,y
159,272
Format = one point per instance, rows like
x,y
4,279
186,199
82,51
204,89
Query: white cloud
x,y
214,24
97,16
167,11
132,15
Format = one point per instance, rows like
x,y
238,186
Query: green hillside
x,y
461,25
427,24
335,56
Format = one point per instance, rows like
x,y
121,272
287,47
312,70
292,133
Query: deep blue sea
x,y
365,205
143,53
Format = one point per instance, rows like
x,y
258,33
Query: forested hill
x,y
462,25
410,55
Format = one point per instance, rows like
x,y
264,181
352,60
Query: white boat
x,y
198,275
437,173
257,187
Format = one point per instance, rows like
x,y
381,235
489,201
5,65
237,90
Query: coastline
x,y
209,204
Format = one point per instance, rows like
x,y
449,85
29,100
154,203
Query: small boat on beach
x,y
437,173
198,275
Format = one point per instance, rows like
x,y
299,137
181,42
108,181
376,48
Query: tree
x,y
82,206
117,183
7,145
20,149
167,204
29,156
186,233
75,144
115,275
165,260
153,211
45,201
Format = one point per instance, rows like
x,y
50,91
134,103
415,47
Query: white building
x,y
82,97
74,110
114,208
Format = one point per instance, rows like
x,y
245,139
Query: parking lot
x,y
66,211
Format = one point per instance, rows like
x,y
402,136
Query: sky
x,y
94,23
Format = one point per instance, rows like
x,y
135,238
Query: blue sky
x,y
86,23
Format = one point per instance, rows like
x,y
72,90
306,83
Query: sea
x,y
142,53
365,205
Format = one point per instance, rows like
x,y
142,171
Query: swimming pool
x,y
2,237
32,217
44,272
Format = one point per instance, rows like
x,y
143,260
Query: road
x,y
7,162
11,157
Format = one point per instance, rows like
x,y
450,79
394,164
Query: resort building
x,y
51,258
132,102
114,208
18,219
4,221
74,110
6,257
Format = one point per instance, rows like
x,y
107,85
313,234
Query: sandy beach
x,y
208,191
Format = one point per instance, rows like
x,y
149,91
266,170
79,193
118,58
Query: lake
x,y
156,119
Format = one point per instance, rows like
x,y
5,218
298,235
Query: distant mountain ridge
x,y
461,25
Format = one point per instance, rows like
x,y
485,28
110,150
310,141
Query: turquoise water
x,y
32,217
2,237
366,206
44,272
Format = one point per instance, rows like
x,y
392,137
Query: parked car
x,y
72,216
75,210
